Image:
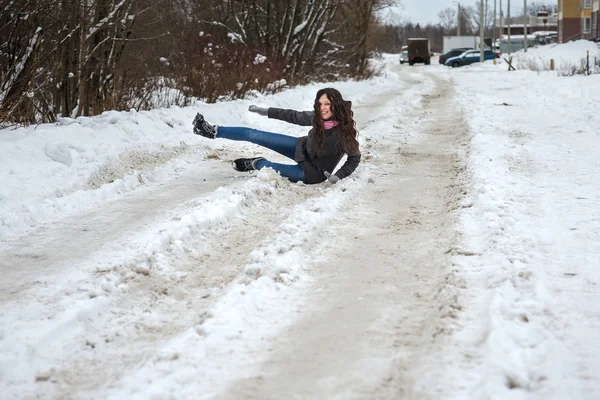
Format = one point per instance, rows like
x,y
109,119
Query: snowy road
x,y
107,301
460,260
115,313
382,300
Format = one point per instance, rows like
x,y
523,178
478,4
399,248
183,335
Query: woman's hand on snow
x,y
259,110
331,178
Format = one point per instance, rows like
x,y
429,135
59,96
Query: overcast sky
x,y
424,11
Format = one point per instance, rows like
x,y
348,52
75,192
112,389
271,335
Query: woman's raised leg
x,y
282,144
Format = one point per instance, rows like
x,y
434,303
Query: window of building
x,y
594,21
587,3
587,22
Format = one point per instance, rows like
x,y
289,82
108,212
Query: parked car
x,y
453,53
470,57
404,57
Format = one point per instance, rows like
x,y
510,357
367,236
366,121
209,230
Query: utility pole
x,y
508,16
486,10
501,25
485,26
481,19
494,29
525,41
458,23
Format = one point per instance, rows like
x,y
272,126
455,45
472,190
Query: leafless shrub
x,y
533,64
563,68
73,57
223,70
582,69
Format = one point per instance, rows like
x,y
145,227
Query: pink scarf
x,y
329,124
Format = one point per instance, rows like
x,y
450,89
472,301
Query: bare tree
x,y
473,14
536,6
74,45
290,30
448,20
74,58
388,38
353,29
21,37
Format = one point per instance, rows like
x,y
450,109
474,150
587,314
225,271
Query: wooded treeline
x,y
390,38
80,57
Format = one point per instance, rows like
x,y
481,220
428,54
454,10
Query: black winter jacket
x,y
306,147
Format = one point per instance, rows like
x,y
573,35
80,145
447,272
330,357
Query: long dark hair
x,y
343,115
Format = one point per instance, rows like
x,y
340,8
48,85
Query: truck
x,y
418,51
460,42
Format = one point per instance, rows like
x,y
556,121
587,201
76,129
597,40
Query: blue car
x,y
470,57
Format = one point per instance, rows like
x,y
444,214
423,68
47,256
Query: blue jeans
x,y
282,144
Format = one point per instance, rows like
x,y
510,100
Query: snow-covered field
x,y
531,230
137,264
566,56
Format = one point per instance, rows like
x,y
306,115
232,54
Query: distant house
x,y
575,20
543,21
595,20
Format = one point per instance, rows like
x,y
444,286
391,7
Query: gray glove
x,y
332,178
259,110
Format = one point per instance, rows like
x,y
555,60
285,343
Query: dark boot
x,y
203,128
246,164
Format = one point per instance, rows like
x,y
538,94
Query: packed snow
x,y
529,230
532,229
565,55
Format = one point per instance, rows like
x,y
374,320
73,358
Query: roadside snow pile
x,y
530,225
217,269
241,320
50,171
565,55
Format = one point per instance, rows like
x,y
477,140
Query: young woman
x,y
332,135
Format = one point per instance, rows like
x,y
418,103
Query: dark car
x,y
470,57
453,53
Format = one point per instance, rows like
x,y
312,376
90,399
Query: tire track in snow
x,y
104,312
238,311
112,322
387,296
